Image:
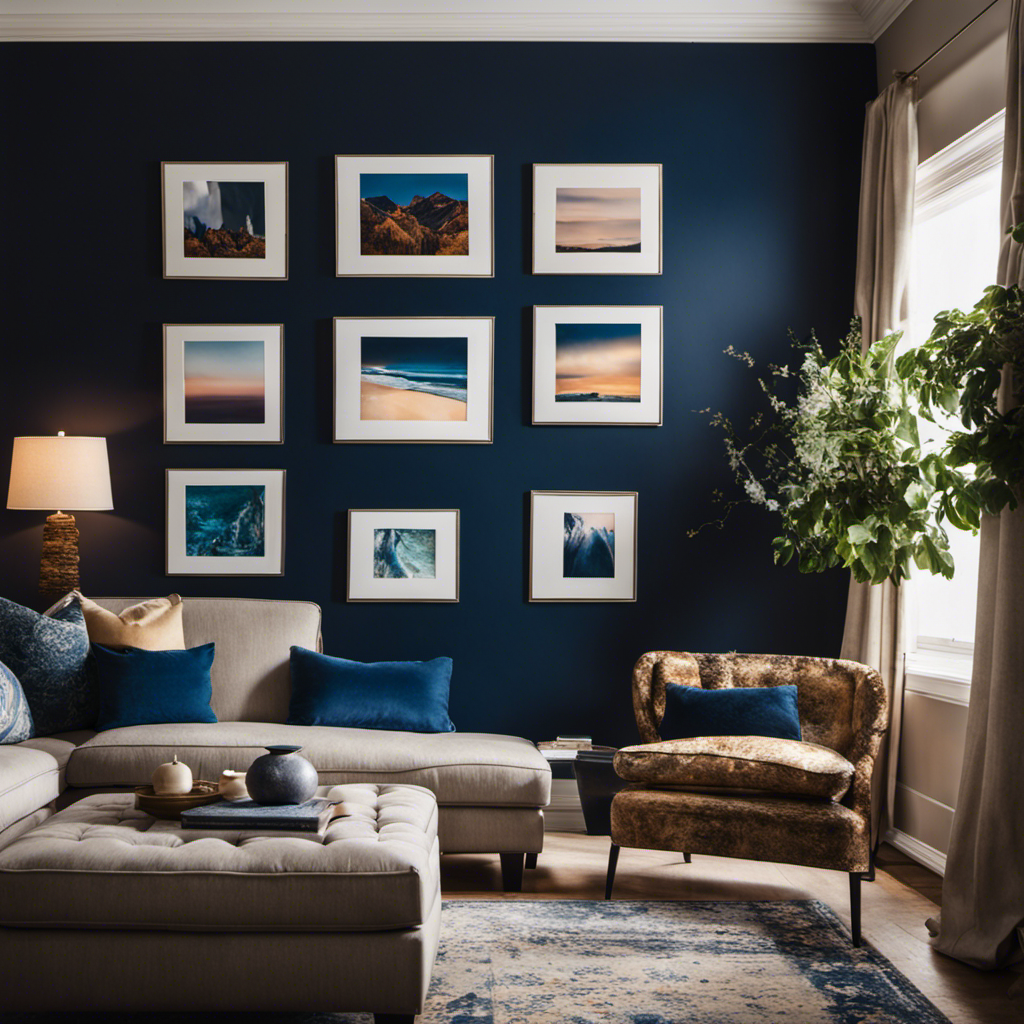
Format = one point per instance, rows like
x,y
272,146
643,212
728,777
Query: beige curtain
x,y
982,921
874,621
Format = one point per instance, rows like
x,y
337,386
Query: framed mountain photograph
x,y
414,216
225,220
403,555
597,365
225,522
597,218
413,380
583,545
223,383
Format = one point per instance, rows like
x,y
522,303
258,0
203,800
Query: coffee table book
x,y
312,816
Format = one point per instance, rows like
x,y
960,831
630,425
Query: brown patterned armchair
x,y
797,802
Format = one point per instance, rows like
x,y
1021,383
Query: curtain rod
x,y
932,56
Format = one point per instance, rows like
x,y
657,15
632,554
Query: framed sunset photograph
x,y
225,220
597,365
413,380
597,218
583,545
403,555
414,216
223,383
225,522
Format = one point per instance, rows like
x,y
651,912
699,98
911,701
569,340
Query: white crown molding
x,y
878,15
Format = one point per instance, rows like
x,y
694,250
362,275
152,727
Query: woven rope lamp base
x,y
58,569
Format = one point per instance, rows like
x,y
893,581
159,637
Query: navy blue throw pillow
x,y
139,687
406,696
743,711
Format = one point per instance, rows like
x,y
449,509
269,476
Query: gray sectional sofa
x,y
490,789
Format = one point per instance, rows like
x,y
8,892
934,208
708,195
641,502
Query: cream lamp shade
x,y
60,473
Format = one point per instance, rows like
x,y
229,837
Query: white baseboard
x,y
924,854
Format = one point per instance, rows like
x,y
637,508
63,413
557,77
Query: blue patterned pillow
x,y
15,717
47,653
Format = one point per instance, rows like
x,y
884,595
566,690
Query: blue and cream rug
x,y
588,962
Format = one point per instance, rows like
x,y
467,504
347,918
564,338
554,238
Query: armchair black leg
x,y
394,1018
531,861
512,872
686,858
855,878
613,860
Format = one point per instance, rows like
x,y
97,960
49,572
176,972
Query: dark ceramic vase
x,y
281,777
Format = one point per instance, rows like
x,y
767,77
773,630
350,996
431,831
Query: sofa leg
x,y
394,1018
855,878
512,871
613,860
687,859
531,861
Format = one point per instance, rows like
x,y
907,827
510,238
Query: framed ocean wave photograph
x,y
583,545
225,220
597,218
225,522
403,555
414,216
223,383
409,380
597,365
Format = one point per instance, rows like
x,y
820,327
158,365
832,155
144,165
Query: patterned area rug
x,y
588,962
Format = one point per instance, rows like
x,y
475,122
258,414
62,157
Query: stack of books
x,y
565,748
247,815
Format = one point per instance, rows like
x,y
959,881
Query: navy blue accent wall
x,y
761,152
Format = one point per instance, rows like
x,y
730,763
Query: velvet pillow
x,y
405,696
139,687
153,625
15,717
47,652
740,711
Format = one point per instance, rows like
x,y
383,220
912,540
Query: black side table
x,y
597,784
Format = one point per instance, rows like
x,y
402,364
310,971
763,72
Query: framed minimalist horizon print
x,y
225,220
597,365
414,216
225,522
597,218
403,555
223,383
583,545
413,380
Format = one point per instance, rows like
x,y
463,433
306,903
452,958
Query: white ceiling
x,y
741,21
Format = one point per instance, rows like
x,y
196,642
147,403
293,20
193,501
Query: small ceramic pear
x,y
172,779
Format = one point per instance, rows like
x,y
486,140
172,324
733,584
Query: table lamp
x,y
60,473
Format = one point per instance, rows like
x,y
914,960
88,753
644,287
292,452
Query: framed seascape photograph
x,y
597,365
583,545
225,522
225,220
413,380
597,218
223,383
414,216
403,554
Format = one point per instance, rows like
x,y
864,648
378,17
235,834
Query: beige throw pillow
x,y
151,625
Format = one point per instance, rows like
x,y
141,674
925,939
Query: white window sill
x,y
942,675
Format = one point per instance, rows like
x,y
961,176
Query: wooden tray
x,y
170,807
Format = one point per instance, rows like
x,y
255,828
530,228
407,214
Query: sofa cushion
x,y
460,768
15,717
29,779
755,763
153,625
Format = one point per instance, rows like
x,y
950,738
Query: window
x,y
954,252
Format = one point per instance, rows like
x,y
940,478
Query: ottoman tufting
x,y
141,914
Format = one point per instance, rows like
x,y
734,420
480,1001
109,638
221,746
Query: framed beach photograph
x,y
597,218
414,216
403,554
225,522
225,220
223,383
597,365
583,545
413,380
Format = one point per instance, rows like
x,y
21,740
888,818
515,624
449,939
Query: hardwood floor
x,y
573,866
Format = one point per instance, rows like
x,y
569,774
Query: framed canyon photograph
x,y
225,220
413,380
403,555
414,216
597,365
597,218
583,545
223,383
225,522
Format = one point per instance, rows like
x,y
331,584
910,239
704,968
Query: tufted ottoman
x,y
122,911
